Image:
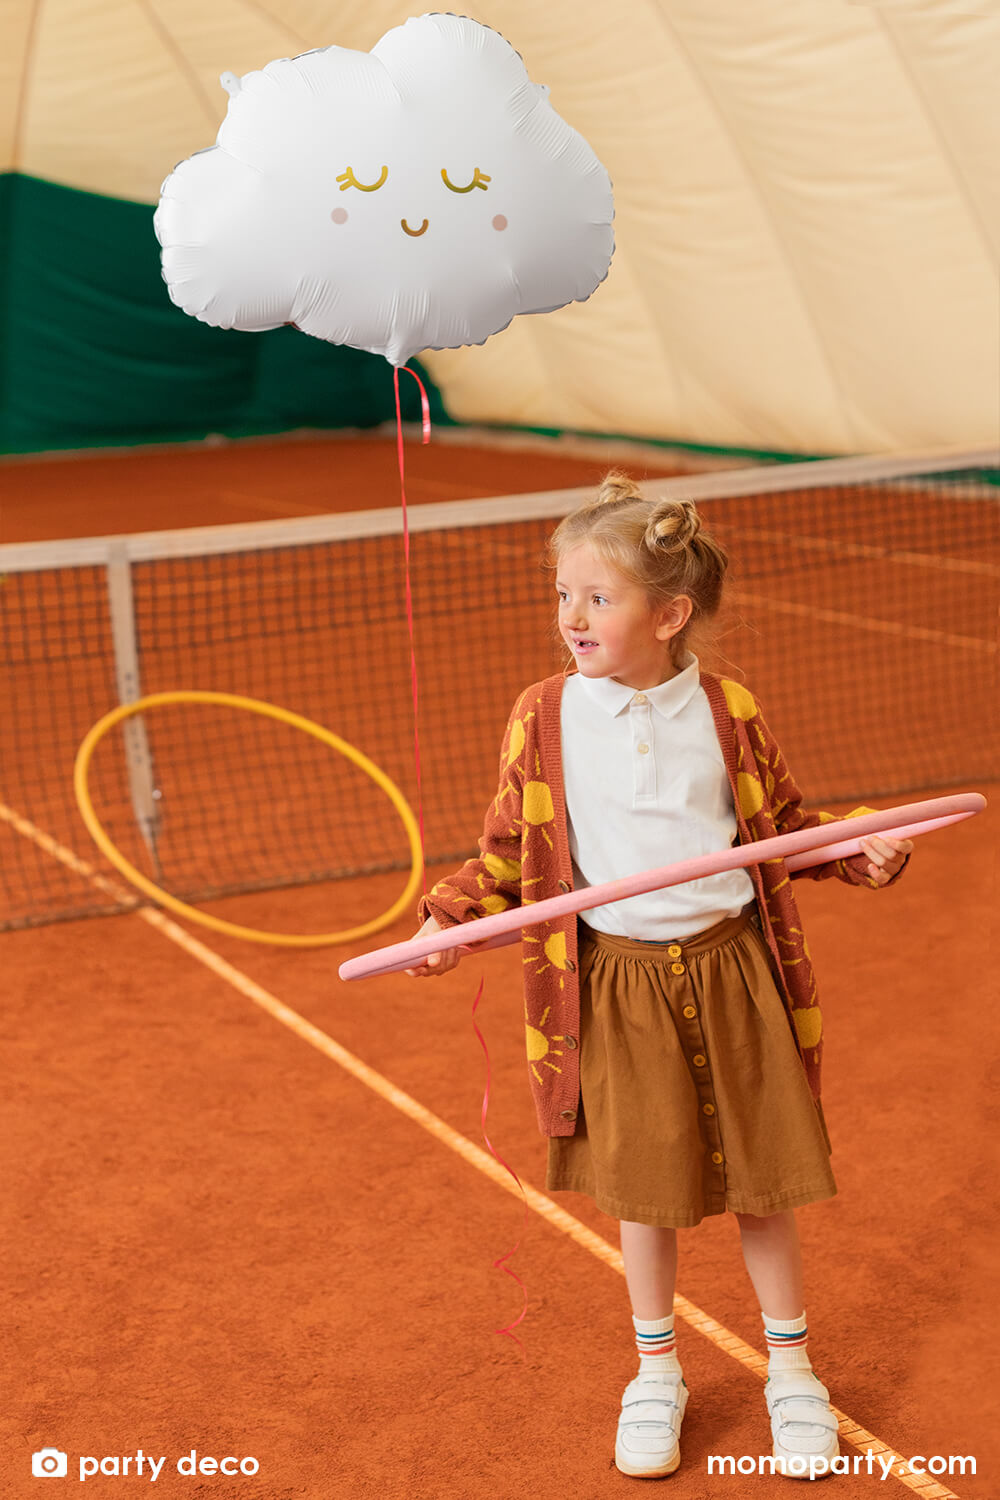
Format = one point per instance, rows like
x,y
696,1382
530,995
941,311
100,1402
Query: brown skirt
x,y
693,1097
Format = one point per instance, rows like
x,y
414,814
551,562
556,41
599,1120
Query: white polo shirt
x,y
646,786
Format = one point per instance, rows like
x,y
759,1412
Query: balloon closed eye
x,y
479,180
347,180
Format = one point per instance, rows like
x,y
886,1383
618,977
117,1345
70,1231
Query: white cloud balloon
x,y
419,196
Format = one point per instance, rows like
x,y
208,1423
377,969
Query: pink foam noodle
x,y
805,847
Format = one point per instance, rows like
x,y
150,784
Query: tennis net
x,y
862,612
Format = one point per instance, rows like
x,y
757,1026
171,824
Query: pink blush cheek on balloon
x,y
499,221
339,216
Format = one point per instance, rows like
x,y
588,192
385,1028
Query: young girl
x,y
673,1039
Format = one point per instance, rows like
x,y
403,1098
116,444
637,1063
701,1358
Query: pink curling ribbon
x,y
426,414
425,409
486,1100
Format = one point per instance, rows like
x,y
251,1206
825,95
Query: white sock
x,y
654,1338
786,1343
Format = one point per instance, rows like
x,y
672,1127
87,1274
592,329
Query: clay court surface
x,y
107,492
223,1234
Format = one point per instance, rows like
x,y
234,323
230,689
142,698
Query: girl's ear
x,y
671,618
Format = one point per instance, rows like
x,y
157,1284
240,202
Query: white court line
x,y
888,556
866,622
730,1343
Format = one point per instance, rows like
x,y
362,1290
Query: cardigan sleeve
x,y
490,883
789,816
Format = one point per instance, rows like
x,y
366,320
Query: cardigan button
x,y
564,886
570,1041
571,966
568,1114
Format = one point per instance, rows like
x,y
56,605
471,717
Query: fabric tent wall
x,y
807,225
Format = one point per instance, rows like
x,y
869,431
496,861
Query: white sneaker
x,y
802,1424
649,1427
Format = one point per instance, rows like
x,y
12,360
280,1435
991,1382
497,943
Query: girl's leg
x,y
649,1425
773,1259
650,1256
804,1429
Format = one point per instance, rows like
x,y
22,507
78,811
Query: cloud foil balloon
x,y
419,196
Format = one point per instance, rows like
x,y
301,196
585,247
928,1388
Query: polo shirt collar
x,y
668,698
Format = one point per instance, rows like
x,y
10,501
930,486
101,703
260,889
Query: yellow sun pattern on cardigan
x,y
524,857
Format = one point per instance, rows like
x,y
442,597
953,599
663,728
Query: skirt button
x,y
708,1109
698,1059
717,1157
689,1011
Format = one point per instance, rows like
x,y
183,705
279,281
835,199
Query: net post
x,y
138,759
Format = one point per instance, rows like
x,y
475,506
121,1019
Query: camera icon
x,y
48,1463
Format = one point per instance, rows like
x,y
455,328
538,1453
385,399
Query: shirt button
x,y
708,1109
717,1157
570,1041
674,950
639,698
643,749
689,1011
677,968
698,1059
568,1114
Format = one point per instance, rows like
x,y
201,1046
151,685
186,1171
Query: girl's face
x,y
609,623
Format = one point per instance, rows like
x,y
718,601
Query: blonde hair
x,y
658,544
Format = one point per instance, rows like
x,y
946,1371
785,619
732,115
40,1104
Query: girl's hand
x,y
886,856
433,963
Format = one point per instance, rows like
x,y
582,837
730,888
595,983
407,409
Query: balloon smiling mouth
x,y
414,232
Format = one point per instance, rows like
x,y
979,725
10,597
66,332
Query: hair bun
x,y
616,488
672,525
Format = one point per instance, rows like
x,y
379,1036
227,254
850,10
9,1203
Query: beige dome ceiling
x,y
807,215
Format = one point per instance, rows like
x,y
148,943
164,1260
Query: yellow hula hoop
x,y
284,716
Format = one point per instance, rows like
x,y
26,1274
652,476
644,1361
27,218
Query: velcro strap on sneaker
x,y
653,1393
795,1383
799,1396
809,1410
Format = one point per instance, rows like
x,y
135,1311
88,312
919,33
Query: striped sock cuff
x,y
654,1335
785,1333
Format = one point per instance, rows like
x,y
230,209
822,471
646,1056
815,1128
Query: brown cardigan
x,y
524,857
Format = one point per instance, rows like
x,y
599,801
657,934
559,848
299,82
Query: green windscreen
x,y
93,352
